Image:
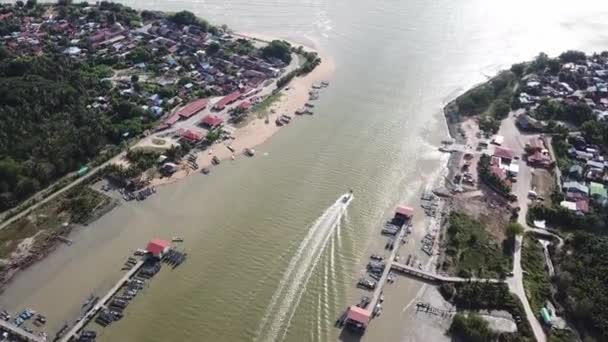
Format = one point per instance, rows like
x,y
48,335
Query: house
x,y
357,319
226,100
498,140
575,187
212,121
580,206
191,136
192,108
157,248
597,191
540,159
505,154
576,172
528,123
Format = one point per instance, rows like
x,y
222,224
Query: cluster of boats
x,y
131,261
283,120
24,316
140,195
114,310
87,336
192,161
429,202
174,257
427,244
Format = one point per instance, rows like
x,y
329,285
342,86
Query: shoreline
x,y
254,133
257,131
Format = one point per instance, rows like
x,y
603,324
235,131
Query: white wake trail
x,y
287,296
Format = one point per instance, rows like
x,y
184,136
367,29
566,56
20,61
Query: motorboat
x,y
346,197
177,239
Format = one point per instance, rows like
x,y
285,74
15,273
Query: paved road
x,y
60,191
516,141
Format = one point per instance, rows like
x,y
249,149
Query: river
x,y
272,255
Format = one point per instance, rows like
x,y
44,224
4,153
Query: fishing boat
x,y
205,171
215,160
177,239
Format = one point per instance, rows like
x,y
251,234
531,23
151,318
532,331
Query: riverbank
x,y
260,126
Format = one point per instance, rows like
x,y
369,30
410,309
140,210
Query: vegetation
x,y
581,283
279,49
490,100
576,113
489,178
488,296
46,127
46,221
536,281
471,328
188,18
471,251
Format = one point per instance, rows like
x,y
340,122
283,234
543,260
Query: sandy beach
x,y
258,130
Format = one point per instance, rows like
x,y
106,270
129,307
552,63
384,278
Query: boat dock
x,y
387,269
20,333
100,304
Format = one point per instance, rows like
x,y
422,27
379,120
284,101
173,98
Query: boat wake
x,y
287,296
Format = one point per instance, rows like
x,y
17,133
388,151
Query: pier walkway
x,y
22,334
388,267
429,276
101,303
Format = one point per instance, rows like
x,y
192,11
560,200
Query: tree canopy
x,y
278,49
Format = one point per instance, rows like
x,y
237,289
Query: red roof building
x,y
212,121
498,172
402,210
503,153
192,108
157,247
540,159
582,205
245,105
357,318
226,100
191,136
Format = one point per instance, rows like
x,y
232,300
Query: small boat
x,y
325,84
346,197
215,160
205,171
250,152
230,148
177,239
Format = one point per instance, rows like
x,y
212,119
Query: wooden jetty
x,y
101,303
433,277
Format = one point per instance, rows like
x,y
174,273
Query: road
x,y
517,141
15,330
60,191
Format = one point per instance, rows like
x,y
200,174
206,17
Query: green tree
x,y
278,49
188,18
513,229
31,3
471,328
212,48
501,109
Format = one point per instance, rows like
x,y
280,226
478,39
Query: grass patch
x,y
471,251
562,336
261,109
536,282
75,206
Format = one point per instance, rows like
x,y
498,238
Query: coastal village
x,y
493,244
